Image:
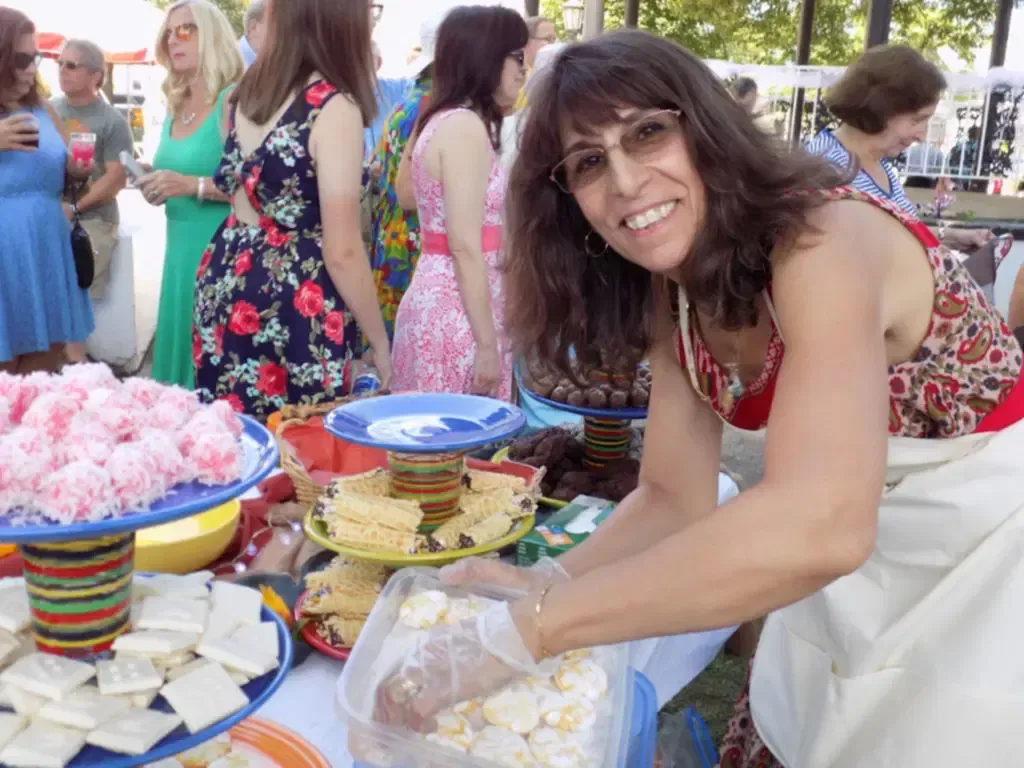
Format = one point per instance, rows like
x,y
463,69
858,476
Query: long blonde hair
x,y
220,61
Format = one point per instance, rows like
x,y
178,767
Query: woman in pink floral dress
x,y
449,331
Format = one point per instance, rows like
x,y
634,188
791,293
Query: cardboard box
x,y
564,529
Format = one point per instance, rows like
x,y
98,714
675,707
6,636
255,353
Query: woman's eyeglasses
x,y
519,57
183,33
642,141
27,60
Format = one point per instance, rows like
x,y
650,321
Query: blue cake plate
x,y
185,500
425,423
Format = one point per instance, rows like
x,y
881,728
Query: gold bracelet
x,y
540,626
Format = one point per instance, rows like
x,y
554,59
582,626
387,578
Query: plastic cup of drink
x,y
83,149
33,125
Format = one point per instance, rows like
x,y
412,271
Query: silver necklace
x,y
187,119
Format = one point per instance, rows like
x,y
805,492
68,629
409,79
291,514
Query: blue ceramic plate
x,y
258,691
582,410
425,423
182,501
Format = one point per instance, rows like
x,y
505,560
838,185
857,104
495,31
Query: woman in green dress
x,y
196,46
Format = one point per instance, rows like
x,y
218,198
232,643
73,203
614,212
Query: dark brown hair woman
x,y
645,214
41,306
285,291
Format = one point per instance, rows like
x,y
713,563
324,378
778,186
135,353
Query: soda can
x,y
366,382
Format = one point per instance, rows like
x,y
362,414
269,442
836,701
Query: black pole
x,y
1001,33
879,21
532,8
632,13
803,58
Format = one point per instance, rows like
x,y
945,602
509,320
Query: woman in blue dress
x,y
41,306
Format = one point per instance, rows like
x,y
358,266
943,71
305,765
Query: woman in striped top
x,y
885,100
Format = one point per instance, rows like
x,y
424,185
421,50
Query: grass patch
x,y
713,693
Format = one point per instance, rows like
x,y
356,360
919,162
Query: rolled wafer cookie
x,y
374,538
482,481
376,482
397,514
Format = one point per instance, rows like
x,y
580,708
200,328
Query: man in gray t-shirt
x,y
83,110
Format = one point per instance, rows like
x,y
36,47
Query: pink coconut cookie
x,y
78,492
136,484
52,414
216,458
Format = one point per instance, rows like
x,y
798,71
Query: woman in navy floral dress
x,y
285,285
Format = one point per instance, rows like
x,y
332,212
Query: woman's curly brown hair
x,y
558,297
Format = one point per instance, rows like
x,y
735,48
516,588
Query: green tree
x,y
233,9
764,31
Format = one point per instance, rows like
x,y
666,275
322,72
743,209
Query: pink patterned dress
x,y
434,349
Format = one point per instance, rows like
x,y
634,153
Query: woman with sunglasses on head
x,y
449,329
285,291
42,307
196,45
884,541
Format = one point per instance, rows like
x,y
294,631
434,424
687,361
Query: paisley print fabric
x,y
966,366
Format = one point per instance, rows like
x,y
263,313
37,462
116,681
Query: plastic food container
x,y
374,745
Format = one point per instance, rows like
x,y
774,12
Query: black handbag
x,y
81,248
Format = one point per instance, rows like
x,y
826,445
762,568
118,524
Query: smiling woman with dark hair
x,y
449,330
646,217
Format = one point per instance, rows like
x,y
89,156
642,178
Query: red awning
x,y
50,44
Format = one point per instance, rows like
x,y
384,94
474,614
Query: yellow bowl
x,y
316,530
187,545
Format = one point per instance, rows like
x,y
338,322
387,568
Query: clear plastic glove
x,y
478,570
451,664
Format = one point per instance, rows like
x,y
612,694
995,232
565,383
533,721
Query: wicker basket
x,y
306,491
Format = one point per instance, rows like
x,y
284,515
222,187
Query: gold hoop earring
x,y
593,252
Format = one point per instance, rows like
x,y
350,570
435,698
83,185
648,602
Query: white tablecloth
x,y
305,703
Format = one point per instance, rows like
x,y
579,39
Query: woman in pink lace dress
x,y
449,331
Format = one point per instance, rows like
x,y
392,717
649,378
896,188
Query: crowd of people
x,y
316,218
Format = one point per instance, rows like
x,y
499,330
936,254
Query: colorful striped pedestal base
x,y
605,440
80,593
432,479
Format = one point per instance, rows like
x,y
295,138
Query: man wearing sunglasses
x,y
84,110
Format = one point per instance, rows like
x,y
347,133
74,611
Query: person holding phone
x,y
42,309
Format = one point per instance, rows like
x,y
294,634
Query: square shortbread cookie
x,y
24,703
156,643
238,678
10,726
124,675
190,586
235,655
135,733
222,622
14,613
204,697
10,644
43,746
174,614
261,637
50,676
244,603
84,709
140,700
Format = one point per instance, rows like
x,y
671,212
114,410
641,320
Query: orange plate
x,y
309,634
282,747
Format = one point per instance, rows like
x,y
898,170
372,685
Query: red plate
x,y
311,636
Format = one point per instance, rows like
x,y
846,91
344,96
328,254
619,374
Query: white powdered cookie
x,y
583,677
503,747
244,603
43,746
451,741
424,610
554,748
14,613
235,655
460,609
473,711
516,710
156,643
577,655
204,697
126,675
537,685
85,709
455,728
10,726
135,733
206,754
261,637
49,676
567,711
174,614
